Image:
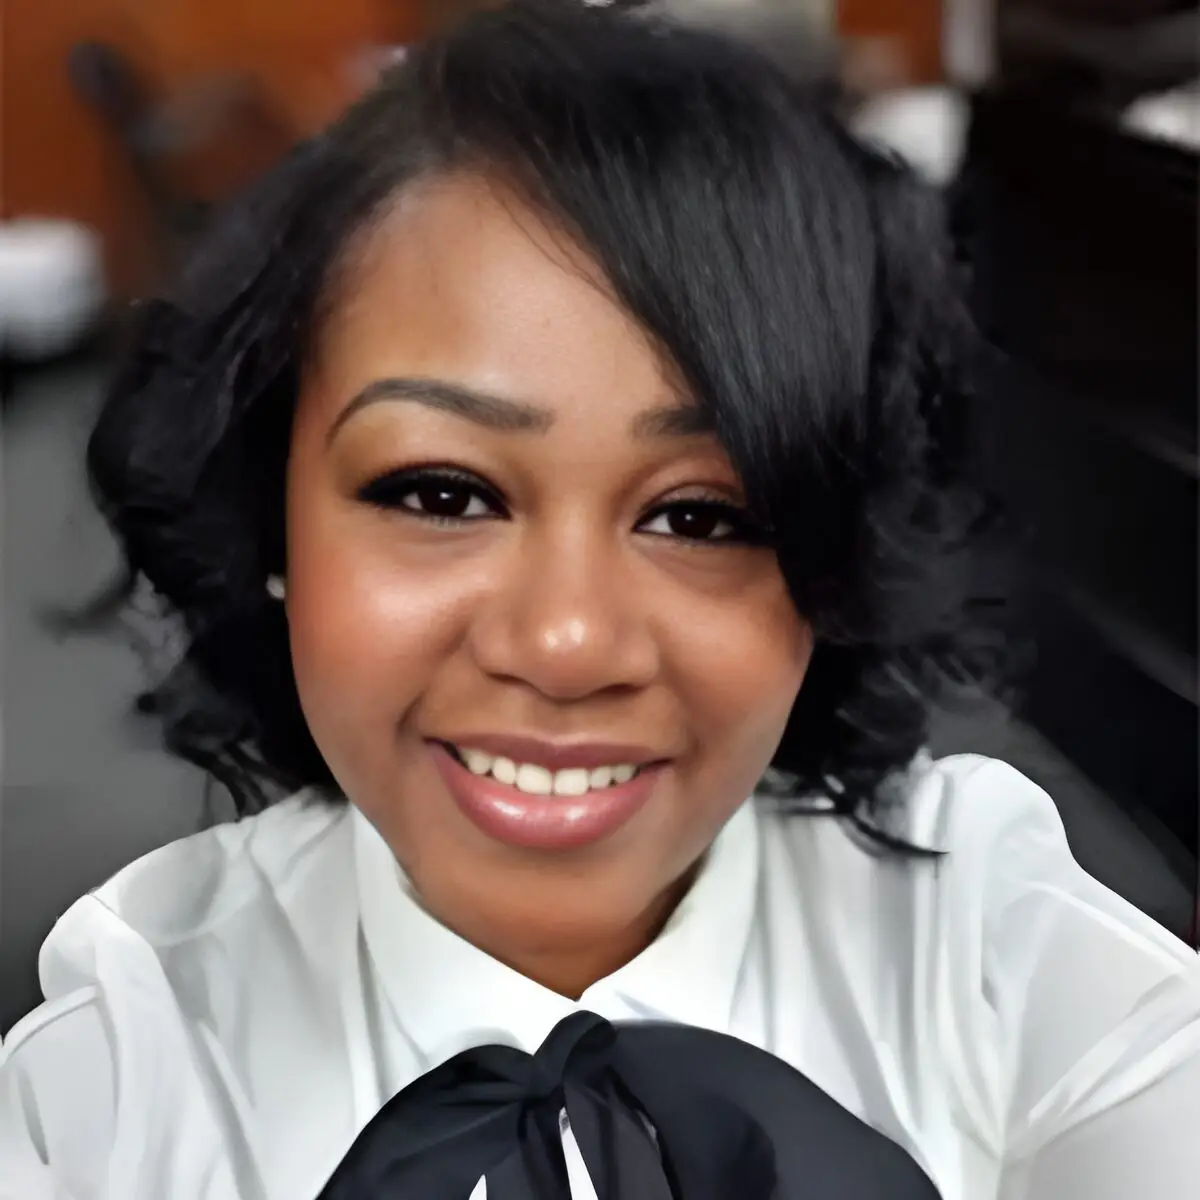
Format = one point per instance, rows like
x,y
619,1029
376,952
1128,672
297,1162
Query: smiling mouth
x,y
534,779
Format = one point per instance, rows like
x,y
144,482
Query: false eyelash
x,y
386,490
746,530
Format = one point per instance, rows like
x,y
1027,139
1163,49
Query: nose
x,y
568,620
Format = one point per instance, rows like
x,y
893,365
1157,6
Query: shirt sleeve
x,y
105,1094
1099,1024
56,1103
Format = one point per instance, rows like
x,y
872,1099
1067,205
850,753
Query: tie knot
x,y
576,1051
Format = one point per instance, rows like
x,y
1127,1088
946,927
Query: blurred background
x,y
1065,134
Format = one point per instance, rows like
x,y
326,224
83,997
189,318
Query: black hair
x,y
799,281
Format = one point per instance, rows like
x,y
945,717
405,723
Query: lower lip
x,y
542,822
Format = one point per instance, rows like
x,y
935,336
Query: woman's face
x,y
514,549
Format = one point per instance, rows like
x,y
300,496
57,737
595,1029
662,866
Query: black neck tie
x,y
660,1112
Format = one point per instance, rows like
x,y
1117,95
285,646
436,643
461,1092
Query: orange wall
x,y
915,25
56,159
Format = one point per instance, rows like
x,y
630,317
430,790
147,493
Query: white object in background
x,y
51,286
1168,117
926,126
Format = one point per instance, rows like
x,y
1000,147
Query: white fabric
x,y
225,1015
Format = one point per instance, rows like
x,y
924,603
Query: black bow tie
x,y
660,1112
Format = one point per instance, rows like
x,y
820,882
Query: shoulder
x,y
160,950
964,803
964,807
180,889
1003,887
994,829
193,886
185,897
1006,857
1014,968
1003,852
993,832
58,1093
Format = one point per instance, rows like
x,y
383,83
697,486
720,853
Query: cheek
x,y
745,664
368,629
355,614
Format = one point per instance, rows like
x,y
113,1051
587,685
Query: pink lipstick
x,y
547,822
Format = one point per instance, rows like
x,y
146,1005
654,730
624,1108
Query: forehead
x,y
462,280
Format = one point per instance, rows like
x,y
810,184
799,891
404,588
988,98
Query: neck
x,y
570,970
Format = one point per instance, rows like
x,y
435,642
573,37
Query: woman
x,y
557,448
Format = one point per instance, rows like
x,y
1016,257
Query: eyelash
x,y
390,491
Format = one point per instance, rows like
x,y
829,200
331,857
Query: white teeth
x,y
540,781
601,777
477,762
537,781
574,782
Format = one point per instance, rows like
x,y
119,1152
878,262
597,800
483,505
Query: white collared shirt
x,y
224,1016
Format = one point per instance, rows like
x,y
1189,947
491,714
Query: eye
x,y
441,496
700,521
445,501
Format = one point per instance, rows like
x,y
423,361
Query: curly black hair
x,y
801,282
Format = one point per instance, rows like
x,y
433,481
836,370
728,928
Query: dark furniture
x,y
1084,240
159,136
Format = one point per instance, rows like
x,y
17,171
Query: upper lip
x,y
556,756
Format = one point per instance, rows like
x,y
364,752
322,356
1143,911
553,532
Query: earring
x,y
276,588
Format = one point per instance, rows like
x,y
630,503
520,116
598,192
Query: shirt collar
x,y
447,995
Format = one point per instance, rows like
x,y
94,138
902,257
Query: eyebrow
x,y
505,415
682,419
480,408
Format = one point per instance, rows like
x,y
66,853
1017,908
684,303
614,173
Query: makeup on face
x,y
537,636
